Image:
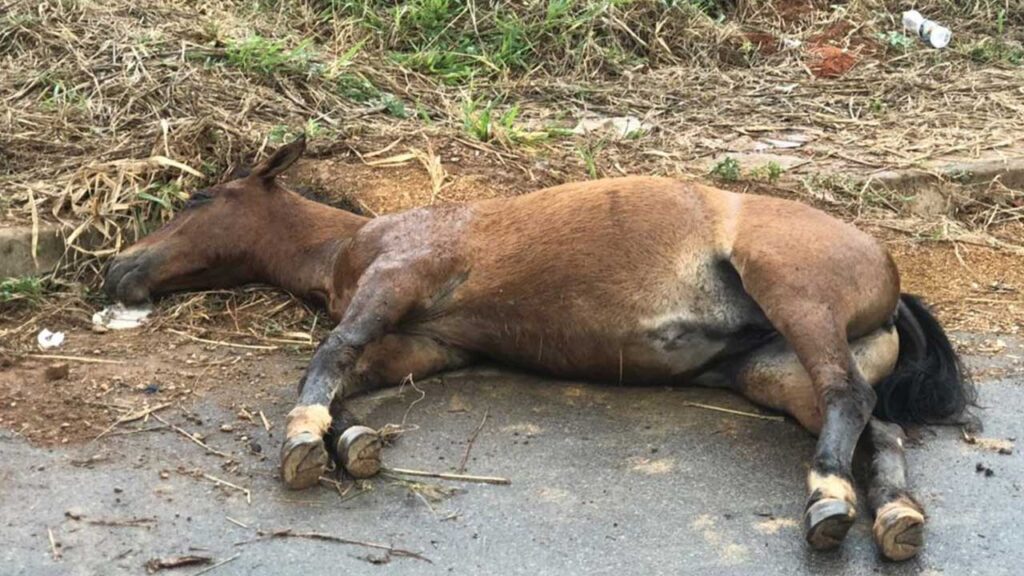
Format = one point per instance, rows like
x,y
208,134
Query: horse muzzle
x,y
128,277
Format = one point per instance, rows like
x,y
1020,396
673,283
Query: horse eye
x,y
197,198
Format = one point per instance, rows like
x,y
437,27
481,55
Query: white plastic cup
x,y
935,35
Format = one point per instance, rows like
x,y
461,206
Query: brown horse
x,y
624,280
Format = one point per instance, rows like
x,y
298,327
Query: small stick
x,y
76,359
186,434
235,522
221,343
133,417
127,523
128,432
472,439
248,494
344,494
289,533
736,412
53,545
447,476
221,563
265,423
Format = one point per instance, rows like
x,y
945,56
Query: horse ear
x,y
284,157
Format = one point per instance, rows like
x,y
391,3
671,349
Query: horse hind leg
x,y
773,376
899,518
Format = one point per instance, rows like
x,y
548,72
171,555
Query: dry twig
x,y
472,439
289,533
449,476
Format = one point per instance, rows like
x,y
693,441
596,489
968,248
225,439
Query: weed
x,y
637,134
281,133
395,106
59,93
449,67
482,122
164,195
896,40
476,120
25,289
770,172
961,176
727,169
995,51
355,87
278,134
313,129
457,41
259,55
588,151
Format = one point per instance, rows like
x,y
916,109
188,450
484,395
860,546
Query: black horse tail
x,y
929,384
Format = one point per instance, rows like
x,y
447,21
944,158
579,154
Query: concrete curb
x,y
16,250
1009,171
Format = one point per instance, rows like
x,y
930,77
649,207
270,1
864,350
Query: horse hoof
x,y
359,449
899,532
303,460
827,521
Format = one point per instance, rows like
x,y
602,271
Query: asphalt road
x,y
604,480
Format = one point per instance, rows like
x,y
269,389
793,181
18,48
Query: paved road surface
x,y
605,480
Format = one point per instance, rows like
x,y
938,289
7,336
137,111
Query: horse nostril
x,y
125,280
117,269
132,289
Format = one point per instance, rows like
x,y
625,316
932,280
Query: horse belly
x,y
706,318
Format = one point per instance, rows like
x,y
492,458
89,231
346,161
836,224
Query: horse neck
x,y
302,255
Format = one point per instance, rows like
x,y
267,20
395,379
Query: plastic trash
x,y
933,33
49,339
621,126
120,317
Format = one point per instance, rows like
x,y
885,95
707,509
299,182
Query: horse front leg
x,y
387,362
304,456
332,372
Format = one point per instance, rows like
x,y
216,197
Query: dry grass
x,y
116,110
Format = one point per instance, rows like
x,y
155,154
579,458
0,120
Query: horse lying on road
x,y
631,280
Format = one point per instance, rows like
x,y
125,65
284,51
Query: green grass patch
x,y
590,151
770,172
167,196
58,92
995,51
266,56
483,122
458,41
27,289
281,134
727,169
